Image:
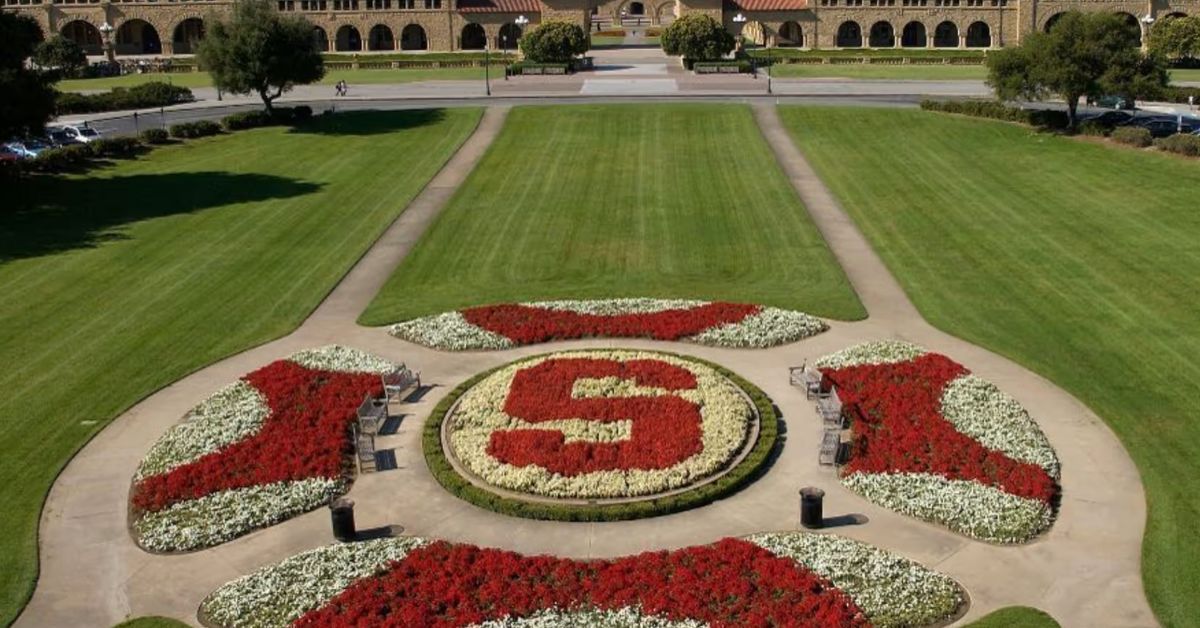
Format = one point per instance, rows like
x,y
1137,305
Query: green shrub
x,y
293,115
116,146
697,37
154,136
61,159
246,120
996,110
144,96
746,471
554,41
1133,136
1183,144
1094,128
199,128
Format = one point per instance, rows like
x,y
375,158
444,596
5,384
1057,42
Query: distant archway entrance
x,y
945,35
849,35
348,39
84,34
791,35
979,35
914,36
473,37
187,35
380,38
882,35
137,37
413,38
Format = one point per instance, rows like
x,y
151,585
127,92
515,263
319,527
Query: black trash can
x,y
811,499
341,514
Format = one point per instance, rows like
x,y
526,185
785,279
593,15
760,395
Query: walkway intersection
x,y
1085,570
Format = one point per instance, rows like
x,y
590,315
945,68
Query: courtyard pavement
x,y
1085,571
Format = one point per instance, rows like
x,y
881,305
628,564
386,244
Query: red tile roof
x,y
767,5
499,6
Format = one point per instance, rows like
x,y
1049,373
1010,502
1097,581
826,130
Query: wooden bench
x,y
808,378
371,414
831,442
829,407
398,381
364,447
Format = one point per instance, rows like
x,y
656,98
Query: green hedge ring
x,y
733,480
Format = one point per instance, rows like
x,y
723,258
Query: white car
x,y
81,132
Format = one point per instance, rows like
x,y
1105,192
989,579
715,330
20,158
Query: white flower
x,y
449,332
219,517
890,589
229,415
965,506
768,328
726,419
341,360
617,307
980,410
627,617
874,352
277,595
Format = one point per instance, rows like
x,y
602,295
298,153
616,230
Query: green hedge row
x,y
1188,145
1041,118
144,96
741,475
74,156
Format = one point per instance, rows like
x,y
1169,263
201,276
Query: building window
x,y
433,4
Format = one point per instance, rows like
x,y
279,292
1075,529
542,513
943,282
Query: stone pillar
x,y
168,46
928,40
899,40
962,40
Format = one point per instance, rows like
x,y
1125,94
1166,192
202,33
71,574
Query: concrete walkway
x,y
1085,570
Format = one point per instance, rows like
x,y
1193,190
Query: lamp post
x,y
487,62
504,52
740,20
106,30
1147,21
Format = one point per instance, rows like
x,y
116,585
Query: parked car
x,y
1167,126
8,154
27,148
60,137
1114,102
82,132
1112,118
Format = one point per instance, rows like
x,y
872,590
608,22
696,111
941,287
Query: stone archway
x,y
85,34
348,39
508,37
137,37
1051,21
665,13
473,37
636,9
187,34
754,34
913,36
1131,21
791,35
979,35
413,38
380,38
849,35
321,39
945,35
882,35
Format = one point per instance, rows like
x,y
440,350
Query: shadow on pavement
x,y
369,122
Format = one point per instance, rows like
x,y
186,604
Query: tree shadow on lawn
x,y
50,214
369,122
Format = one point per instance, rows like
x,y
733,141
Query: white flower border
x,y
770,327
232,414
726,421
277,595
980,410
891,590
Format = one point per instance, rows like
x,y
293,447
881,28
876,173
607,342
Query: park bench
x,y
831,442
808,378
398,381
364,447
829,407
371,414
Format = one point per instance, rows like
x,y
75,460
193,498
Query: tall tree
x,y
554,41
61,54
697,37
26,96
1176,37
1092,54
260,51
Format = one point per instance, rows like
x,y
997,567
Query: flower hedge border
x,y
733,480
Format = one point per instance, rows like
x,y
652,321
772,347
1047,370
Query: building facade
x,y
172,27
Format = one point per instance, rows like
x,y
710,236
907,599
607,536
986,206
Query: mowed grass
x,y
1015,617
119,283
621,201
1079,260
914,72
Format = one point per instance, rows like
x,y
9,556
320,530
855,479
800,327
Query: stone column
x,y
899,39
928,40
962,40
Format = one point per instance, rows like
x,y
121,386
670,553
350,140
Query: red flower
x,y
665,429
899,427
730,583
524,324
306,435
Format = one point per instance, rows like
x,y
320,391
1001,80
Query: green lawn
x,y
879,71
353,77
1188,74
151,622
1015,617
626,200
1079,260
120,283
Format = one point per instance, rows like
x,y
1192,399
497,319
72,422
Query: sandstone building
x,y
171,27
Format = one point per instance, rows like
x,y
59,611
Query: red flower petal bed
x,y
665,429
899,427
731,583
525,324
305,436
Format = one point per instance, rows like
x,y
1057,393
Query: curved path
x,y
1085,571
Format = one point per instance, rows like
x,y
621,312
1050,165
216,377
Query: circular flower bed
x,y
268,447
549,436
793,579
705,322
933,441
